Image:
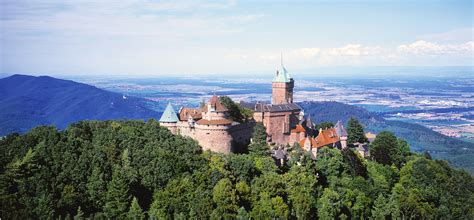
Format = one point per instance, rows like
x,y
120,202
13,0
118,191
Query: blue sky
x,y
192,38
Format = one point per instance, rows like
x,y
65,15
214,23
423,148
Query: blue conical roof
x,y
282,75
169,115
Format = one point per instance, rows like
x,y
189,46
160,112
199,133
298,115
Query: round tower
x,y
169,118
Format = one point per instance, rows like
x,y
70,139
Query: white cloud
x,y
353,50
428,48
305,53
416,53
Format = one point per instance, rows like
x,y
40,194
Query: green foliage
x,y
301,191
94,169
236,112
330,163
225,198
324,125
118,195
383,208
387,149
259,145
329,204
430,189
355,132
79,214
135,212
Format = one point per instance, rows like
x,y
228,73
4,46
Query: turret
x,y
169,118
342,134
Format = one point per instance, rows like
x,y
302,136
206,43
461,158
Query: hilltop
x,y
136,169
29,101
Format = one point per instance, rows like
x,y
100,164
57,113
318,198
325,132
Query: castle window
x,y
208,133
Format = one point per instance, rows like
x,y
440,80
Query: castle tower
x,y
342,134
169,118
282,87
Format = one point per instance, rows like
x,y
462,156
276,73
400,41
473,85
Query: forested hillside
x,y
135,169
29,101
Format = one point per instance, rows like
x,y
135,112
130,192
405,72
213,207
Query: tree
x,y
301,191
236,112
259,145
97,188
329,205
323,125
135,212
330,163
381,208
242,214
118,195
225,197
355,132
387,149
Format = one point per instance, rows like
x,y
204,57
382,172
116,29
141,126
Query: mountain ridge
x,y
29,101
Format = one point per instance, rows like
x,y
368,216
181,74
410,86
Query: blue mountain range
x,y
29,101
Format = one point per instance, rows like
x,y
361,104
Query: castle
x,y
284,121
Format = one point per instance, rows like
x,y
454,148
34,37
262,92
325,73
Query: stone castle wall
x,y
217,138
282,93
278,125
214,137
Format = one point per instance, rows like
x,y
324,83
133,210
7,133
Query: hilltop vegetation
x,y
135,169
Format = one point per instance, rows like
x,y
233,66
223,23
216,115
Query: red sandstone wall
x,y
282,93
214,138
274,123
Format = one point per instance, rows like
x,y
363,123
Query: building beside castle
x,y
283,119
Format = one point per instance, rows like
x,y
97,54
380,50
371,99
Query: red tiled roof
x,y
326,137
214,122
299,128
186,112
218,106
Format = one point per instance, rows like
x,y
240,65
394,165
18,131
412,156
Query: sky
x,y
194,38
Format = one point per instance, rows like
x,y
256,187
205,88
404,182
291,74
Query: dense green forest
x,y
137,170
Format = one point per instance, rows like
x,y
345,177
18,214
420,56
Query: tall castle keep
x,y
284,121
282,87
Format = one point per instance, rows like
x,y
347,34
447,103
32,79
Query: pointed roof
x,y
309,122
282,75
216,104
340,130
169,115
